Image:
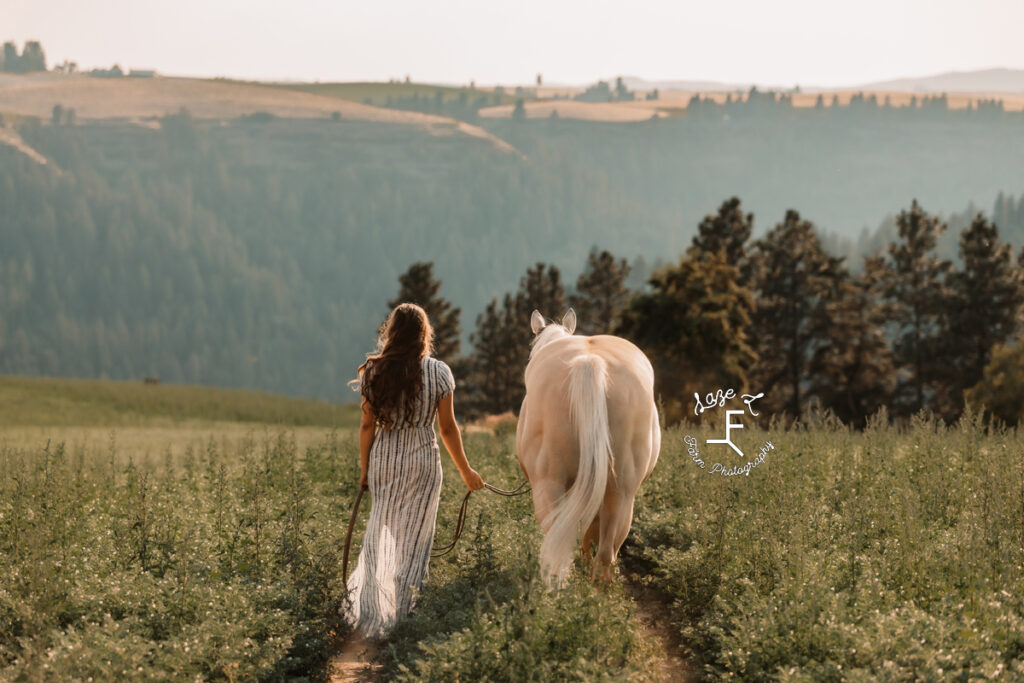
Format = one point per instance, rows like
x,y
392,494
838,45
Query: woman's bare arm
x,y
452,438
367,430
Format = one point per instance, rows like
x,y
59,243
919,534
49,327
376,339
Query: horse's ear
x,y
569,321
536,322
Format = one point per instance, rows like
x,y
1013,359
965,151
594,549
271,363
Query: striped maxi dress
x,y
405,486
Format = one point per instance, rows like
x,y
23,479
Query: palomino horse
x,y
588,436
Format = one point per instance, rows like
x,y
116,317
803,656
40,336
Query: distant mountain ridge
x,y
985,80
995,80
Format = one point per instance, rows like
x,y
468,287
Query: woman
x,y
402,389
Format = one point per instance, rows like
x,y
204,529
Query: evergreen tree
x,y
916,297
693,327
985,303
12,62
496,366
851,368
539,290
792,278
32,57
418,286
519,110
1000,392
601,293
501,343
728,231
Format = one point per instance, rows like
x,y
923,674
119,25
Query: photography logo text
x,y
737,458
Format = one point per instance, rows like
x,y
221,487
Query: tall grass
x,y
887,554
485,614
223,564
221,560
895,554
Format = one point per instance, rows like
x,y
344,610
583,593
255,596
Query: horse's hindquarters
x,y
587,438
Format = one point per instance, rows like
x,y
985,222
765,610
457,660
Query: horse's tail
x,y
588,408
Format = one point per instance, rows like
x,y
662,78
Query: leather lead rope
x,y
444,550
348,536
459,524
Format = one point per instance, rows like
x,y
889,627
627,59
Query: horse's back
x,y
626,363
546,409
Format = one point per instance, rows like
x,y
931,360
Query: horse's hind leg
x,y
590,537
616,518
545,495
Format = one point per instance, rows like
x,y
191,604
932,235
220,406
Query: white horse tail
x,y
588,407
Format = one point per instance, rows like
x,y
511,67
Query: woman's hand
x,y
473,479
364,481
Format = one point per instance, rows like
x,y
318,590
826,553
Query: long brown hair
x,y
391,379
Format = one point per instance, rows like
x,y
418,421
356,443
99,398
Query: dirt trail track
x,y
654,612
354,661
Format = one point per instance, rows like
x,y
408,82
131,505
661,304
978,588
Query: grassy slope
x,y
71,402
378,93
142,98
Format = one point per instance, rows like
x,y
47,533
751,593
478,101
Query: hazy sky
x,y
772,42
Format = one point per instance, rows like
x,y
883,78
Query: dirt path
x,y
353,663
655,615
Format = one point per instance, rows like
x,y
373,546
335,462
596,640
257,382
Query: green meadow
x,y
173,533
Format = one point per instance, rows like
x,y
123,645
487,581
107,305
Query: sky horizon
x,y
573,42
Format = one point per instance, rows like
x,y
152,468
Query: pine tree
x,y
1000,392
792,278
601,293
728,231
418,286
519,110
851,369
540,290
985,303
32,57
502,338
12,62
496,366
693,326
916,296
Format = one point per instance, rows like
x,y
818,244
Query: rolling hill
x,y
990,81
144,100
234,246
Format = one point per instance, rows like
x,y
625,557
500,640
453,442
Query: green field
x,y
32,401
212,550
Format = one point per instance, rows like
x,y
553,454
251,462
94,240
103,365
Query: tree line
x,y
32,58
907,332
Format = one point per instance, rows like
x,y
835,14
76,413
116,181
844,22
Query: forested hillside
x,y
844,168
263,255
261,252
